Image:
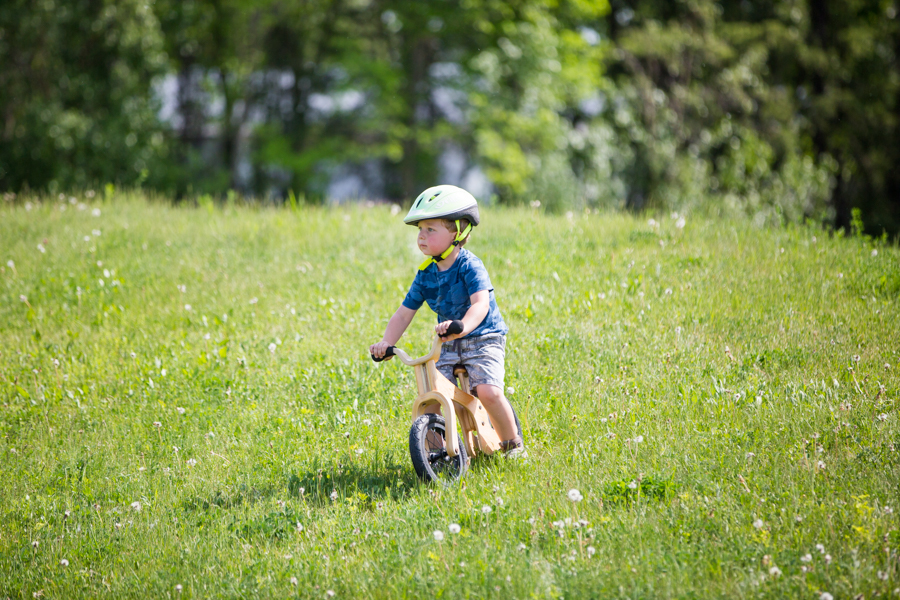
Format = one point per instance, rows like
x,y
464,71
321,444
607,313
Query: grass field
x,y
189,409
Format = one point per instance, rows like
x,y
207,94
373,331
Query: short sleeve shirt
x,y
447,292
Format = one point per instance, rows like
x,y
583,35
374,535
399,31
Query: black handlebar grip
x,y
455,327
388,352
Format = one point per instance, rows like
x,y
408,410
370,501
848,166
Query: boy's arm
x,y
481,304
395,328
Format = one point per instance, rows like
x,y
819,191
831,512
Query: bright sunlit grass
x,y
189,409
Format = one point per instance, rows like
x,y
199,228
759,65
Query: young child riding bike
x,y
455,284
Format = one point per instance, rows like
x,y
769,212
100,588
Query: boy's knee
x,y
489,393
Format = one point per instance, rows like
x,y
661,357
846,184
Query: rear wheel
x,y
428,451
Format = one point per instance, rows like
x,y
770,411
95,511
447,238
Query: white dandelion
x,y
438,535
136,506
180,410
485,509
272,347
574,495
64,562
453,528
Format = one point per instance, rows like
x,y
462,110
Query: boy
x,y
455,284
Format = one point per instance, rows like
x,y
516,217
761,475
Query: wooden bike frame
x,y
457,404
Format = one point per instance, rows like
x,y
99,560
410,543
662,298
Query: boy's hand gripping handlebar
x,y
455,327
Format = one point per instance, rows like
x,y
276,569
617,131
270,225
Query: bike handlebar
x,y
456,326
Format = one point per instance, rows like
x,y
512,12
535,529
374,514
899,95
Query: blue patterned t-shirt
x,y
447,292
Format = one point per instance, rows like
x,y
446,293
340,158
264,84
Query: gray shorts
x,y
482,356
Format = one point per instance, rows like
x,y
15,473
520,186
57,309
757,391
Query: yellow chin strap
x,y
460,236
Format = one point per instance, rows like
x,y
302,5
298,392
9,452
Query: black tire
x,y
428,451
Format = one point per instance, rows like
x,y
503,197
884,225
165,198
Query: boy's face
x,y
434,237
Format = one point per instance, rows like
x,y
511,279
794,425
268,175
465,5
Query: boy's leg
x,y
499,409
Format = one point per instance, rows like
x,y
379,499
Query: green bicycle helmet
x,y
444,202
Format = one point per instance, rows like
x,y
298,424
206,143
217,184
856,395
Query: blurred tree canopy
x,y
782,109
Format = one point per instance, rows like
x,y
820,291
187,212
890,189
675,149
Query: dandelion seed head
x,y
806,558
192,462
825,596
775,571
758,523
272,347
180,410
485,509
136,506
574,495
334,495
438,535
64,562
294,581
453,528
633,485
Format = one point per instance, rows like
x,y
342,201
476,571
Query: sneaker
x,y
514,448
517,453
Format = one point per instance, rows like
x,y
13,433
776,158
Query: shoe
x,y
514,448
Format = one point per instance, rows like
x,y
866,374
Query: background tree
x,y
75,94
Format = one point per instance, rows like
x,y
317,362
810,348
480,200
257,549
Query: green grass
x,y
742,356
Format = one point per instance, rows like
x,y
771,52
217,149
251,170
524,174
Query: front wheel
x,y
428,451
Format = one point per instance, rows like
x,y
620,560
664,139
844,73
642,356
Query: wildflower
x,y
758,523
668,291
632,485
882,417
485,509
874,252
574,495
191,462
41,248
359,451
367,422
535,204
254,300
806,558
820,464
591,551
882,575
680,223
187,307
453,528
334,495
522,547
827,559
163,372
639,439
750,455
206,336
176,449
180,410
157,424
96,211
499,501
652,223
820,548
825,596
330,593
133,355
136,506
888,510
775,571
395,209
294,581
35,544
178,588
438,535
272,347
182,288
64,562
510,391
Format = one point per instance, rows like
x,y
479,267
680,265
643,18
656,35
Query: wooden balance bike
x,y
438,408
